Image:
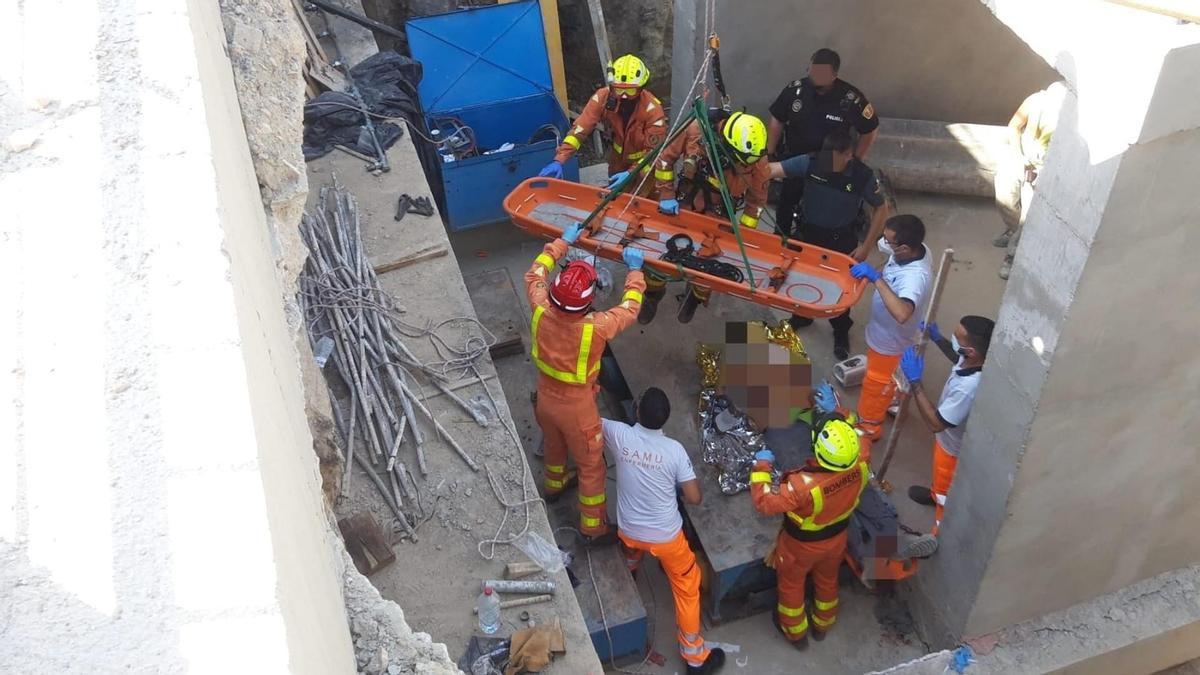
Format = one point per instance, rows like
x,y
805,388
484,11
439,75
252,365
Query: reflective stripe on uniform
x,y
581,374
668,174
823,606
749,221
554,484
572,141
593,500
715,182
789,611
545,260
819,504
760,477
823,623
555,468
589,522
634,156
645,170
617,147
798,628
632,294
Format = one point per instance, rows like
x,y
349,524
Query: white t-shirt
x,y
954,406
912,281
649,466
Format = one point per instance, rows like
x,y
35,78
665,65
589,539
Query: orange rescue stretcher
x,y
801,279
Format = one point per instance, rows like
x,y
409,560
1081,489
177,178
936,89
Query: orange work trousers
x,y
679,563
794,561
571,426
944,465
877,391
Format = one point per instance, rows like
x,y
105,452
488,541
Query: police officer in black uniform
x,y
836,184
804,113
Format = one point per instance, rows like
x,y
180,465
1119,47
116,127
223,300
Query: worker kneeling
x,y
817,501
568,342
650,466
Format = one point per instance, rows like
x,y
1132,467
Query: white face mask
x,y
884,246
956,346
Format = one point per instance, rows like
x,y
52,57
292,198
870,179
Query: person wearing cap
x,y
817,501
568,339
967,348
633,116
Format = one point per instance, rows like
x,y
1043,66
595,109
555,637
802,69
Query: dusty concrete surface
x,y
873,632
1081,301
942,60
436,579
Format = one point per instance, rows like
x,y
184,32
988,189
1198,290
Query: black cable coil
x,y
681,253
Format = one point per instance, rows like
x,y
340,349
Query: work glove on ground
x,y
571,234
633,257
765,455
551,170
864,270
935,333
912,365
617,178
824,398
669,206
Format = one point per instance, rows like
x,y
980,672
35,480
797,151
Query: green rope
x,y
712,148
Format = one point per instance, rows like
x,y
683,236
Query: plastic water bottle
x,y
488,606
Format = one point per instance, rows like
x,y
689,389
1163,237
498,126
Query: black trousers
x,y
786,219
841,239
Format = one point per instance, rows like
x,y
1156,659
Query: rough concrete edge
x,y
1119,632
377,626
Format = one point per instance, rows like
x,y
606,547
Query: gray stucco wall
x,y
944,60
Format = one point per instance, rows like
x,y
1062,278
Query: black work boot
x,y
921,495
798,645
569,481
798,322
688,309
716,659
841,345
600,540
650,305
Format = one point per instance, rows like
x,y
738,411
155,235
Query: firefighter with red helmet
x,y
568,340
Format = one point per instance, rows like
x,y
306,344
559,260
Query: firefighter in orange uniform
x,y
568,341
633,116
744,139
817,501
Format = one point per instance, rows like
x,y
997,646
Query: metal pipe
x,y
513,586
358,19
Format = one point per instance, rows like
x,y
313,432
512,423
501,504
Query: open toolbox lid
x,y
481,55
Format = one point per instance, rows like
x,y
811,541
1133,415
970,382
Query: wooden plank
x,y
309,34
404,261
1184,10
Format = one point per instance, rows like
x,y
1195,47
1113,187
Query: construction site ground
x,y
436,579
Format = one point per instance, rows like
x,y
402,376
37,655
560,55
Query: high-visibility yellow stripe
x,y
664,175
617,147
760,477
572,141
798,628
645,170
819,504
789,611
632,294
825,606
635,156
824,623
591,500
589,522
554,484
748,221
714,181
581,374
555,468
545,260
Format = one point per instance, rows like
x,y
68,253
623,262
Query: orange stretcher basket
x,y
801,279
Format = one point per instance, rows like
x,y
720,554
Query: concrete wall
x,y
1080,453
945,60
159,499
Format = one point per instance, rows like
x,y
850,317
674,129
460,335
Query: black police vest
x,y
831,199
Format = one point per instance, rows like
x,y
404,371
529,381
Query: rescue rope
x,y
680,250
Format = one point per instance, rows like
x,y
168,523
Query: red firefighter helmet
x,y
574,287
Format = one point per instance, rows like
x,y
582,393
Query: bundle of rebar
x,y
342,303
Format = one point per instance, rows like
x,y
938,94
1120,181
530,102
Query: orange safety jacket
x,y
631,141
567,347
818,502
747,181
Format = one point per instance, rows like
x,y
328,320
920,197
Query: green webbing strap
x,y
700,112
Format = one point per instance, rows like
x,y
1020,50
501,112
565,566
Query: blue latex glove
x,y
765,455
912,364
669,206
551,170
571,234
935,333
824,398
633,257
617,178
864,270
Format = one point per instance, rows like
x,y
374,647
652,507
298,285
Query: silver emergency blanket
x,y
728,440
